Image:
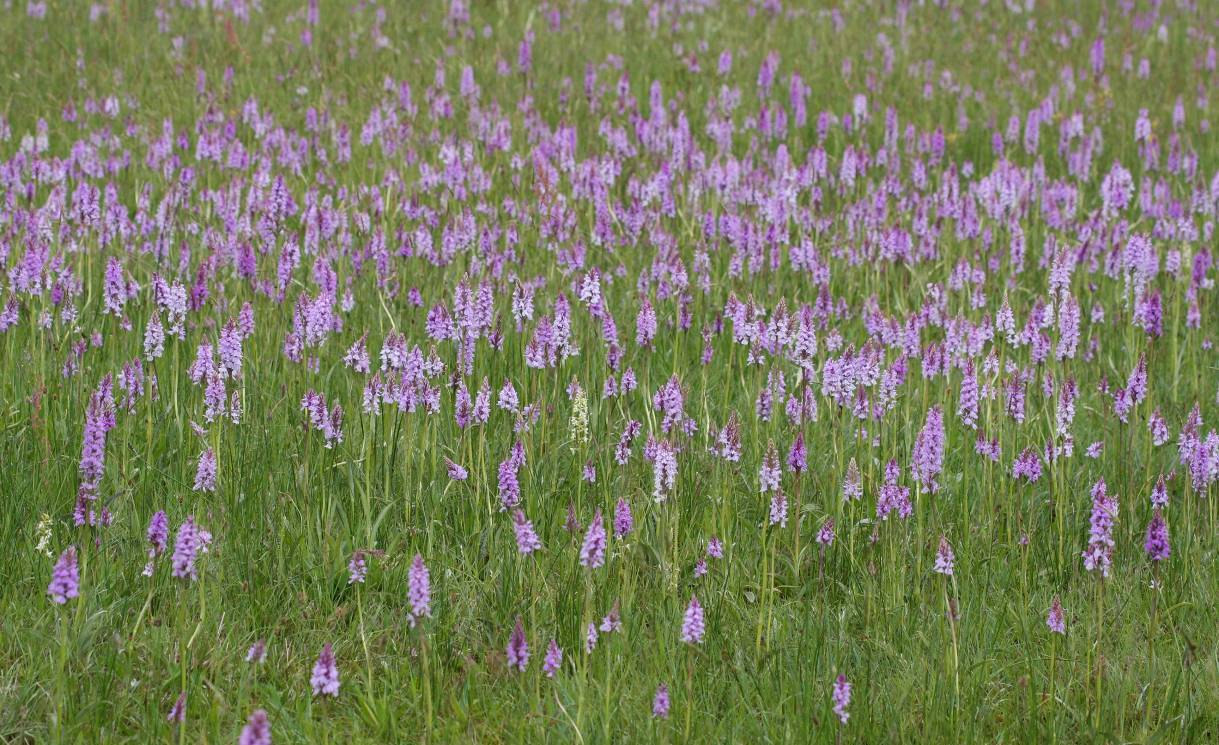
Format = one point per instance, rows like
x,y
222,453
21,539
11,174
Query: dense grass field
x,y
608,371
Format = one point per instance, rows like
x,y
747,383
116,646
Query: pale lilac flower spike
x,y
1156,544
158,539
592,553
205,472
944,558
518,647
660,703
927,460
357,568
158,533
842,698
613,620
1159,494
852,483
554,659
65,578
177,712
456,471
1054,619
825,536
257,652
624,522
257,730
191,541
325,679
419,590
527,540
693,626
1098,556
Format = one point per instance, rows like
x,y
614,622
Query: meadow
x,y
594,371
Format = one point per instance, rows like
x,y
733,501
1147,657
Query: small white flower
x,y
43,531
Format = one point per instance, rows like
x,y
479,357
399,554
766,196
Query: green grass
x,y
1136,664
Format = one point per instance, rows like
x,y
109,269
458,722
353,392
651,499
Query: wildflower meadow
x,y
608,371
